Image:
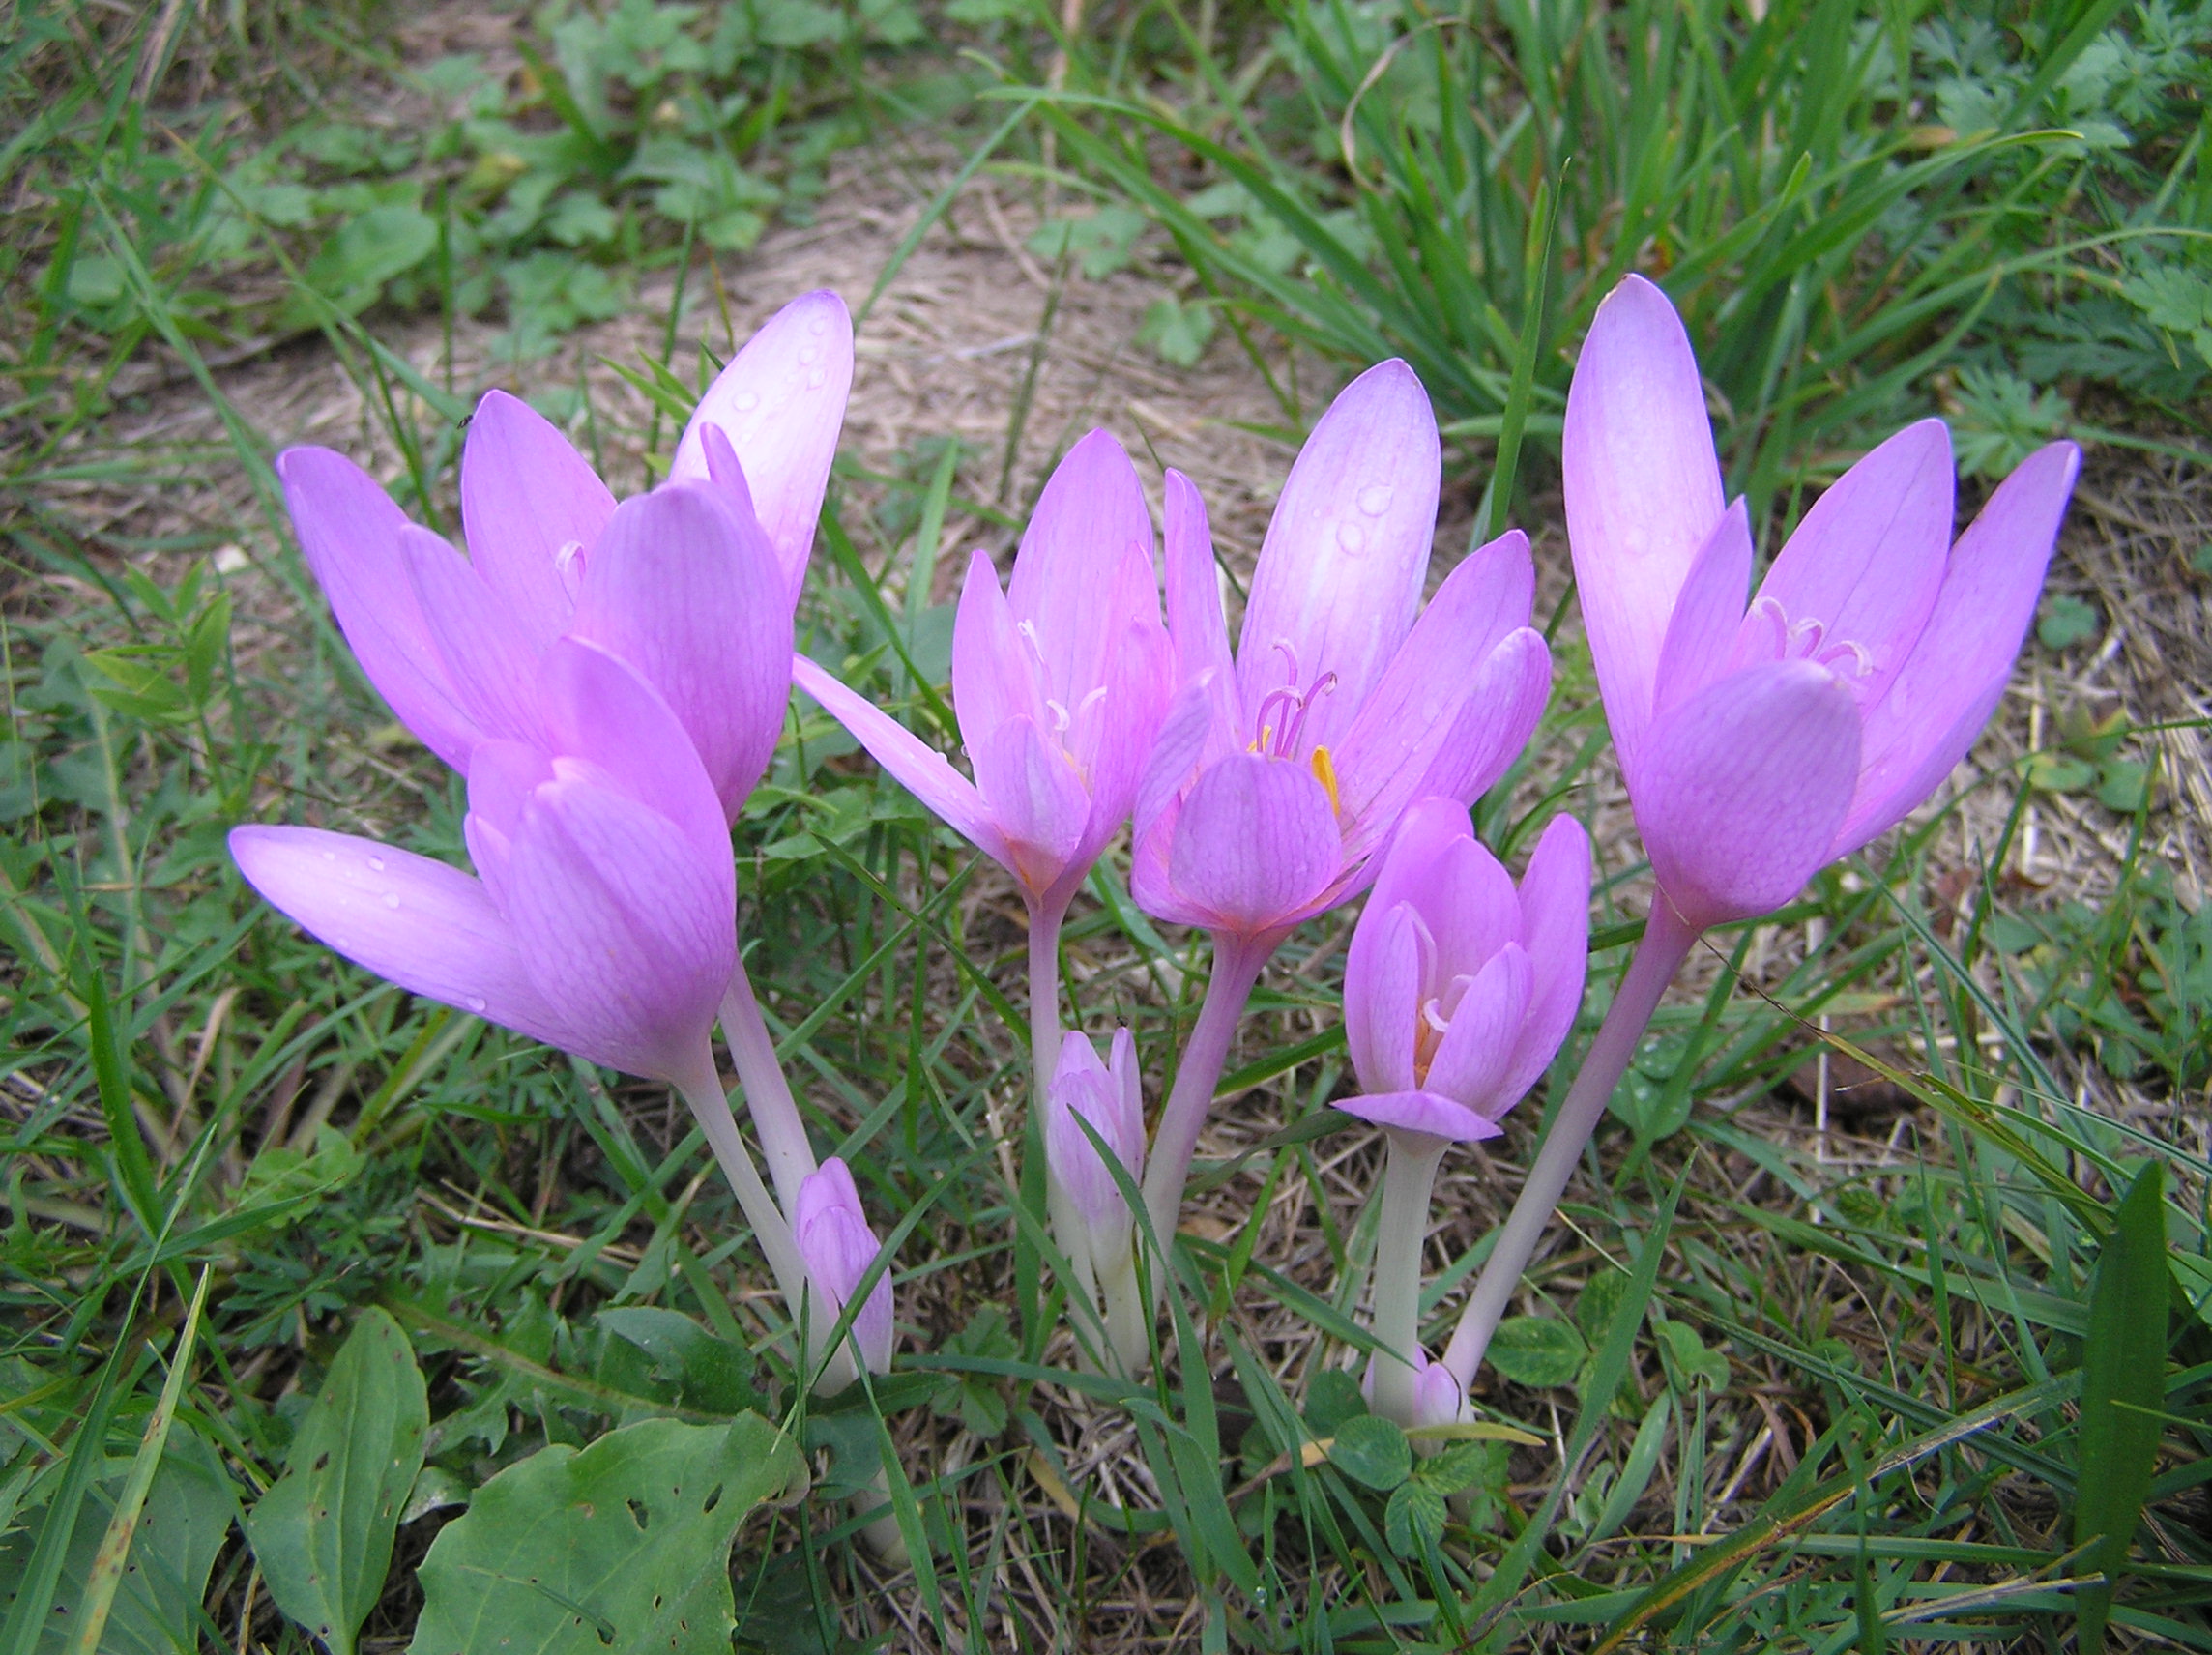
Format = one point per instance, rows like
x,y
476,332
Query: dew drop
x,y
745,401
1352,537
330,856
376,864
476,1004
1375,498
391,899
809,354
817,379
817,323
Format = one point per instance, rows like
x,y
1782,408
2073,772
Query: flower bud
x,y
1110,1097
834,1240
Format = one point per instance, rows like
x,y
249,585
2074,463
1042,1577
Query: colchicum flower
x,y
692,584
603,917
1059,683
838,1247
1759,742
1279,774
1761,745
1107,1096
1458,990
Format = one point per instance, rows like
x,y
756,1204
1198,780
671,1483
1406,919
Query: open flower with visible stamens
x,y
1279,773
1762,743
693,584
1059,683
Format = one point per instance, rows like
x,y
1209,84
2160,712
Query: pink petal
x,y
490,661
427,927
503,778
689,593
1504,701
1085,569
1946,689
995,669
1708,613
628,930
1194,585
1341,571
1867,560
1036,797
602,713
349,533
1193,733
1744,787
1382,991
1417,703
1082,1086
1476,1050
1256,841
1115,737
780,403
1425,835
1423,1113
529,501
1470,905
918,768
1643,488
1555,929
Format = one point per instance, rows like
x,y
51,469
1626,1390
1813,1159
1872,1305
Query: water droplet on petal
x,y
817,323
391,899
1375,498
809,353
330,856
817,379
376,864
476,1004
1352,537
745,401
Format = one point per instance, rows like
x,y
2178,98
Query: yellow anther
x,y
1325,773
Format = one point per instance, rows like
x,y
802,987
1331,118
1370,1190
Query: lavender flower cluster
x,y
611,681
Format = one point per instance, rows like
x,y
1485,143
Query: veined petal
x,y
1555,929
503,777
1745,785
1951,682
1425,835
1867,561
1470,904
780,403
922,770
1036,797
1383,990
489,660
528,502
1476,1051
1341,571
1115,737
1072,579
628,931
830,1230
427,927
349,533
995,669
1196,731
1084,1087
1194,586
1643,488
1419,698
1256,841
1708,613
688,593
1423,1113
601,712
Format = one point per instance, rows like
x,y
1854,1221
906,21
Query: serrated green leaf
x,y
1372,1451
323,1533
621,1545
1536,1350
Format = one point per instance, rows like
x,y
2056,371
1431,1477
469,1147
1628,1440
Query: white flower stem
x,y
1408,1175
1667,942
768,1093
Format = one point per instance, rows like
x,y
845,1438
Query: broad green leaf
x,y
2123,1388
323,1533
623,1546
705,1372
1176,332
1414,1519
187,1516
1536,1350
1691,1361
366,252
1372,1451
